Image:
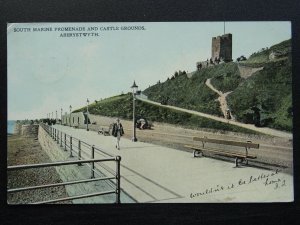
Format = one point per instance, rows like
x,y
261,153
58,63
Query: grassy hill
x,y
268,90
226,77
192,93
121,106
262,56
268,93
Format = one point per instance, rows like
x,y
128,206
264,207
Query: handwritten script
x,y
270,179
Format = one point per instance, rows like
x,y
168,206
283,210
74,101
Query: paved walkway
x,y
152,173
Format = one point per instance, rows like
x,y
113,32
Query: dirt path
x,y
246,71
221,99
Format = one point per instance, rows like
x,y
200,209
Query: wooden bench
x,y
239,156
105,130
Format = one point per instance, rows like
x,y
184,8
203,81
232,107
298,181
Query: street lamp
x,y
70,114
56,116
134,88
87,114
61,116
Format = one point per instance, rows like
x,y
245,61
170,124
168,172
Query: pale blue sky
x,y
47,72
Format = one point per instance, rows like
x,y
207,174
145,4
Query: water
x,y
10,126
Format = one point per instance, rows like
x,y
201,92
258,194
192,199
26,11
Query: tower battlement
x,y
222,47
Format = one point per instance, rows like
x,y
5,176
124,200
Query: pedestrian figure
x,y
118,132
228,114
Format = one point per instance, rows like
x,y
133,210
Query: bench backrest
x,y
226,142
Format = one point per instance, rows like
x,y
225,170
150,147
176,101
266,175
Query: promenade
x,y
157,174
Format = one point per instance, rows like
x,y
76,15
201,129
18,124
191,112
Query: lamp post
x,y
87,115
56,116
70,114
61,116
134,88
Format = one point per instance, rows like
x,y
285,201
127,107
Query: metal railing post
x,y
61,139
71,146
93,164
118,179
65,142
55,134
57,138
79,152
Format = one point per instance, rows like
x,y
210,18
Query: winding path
x,y
221,99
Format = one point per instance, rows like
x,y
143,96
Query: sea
x,y
10,126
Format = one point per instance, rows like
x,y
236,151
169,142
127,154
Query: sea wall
x,y
30,130
27,130
17,128
74,172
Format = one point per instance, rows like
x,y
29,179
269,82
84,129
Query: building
x,y
221,48
76,119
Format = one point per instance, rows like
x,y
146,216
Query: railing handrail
x,y
58,184
59,163
83,142
54,133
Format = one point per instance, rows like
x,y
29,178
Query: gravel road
x,y
274,152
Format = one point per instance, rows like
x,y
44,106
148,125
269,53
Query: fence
x,y
77,148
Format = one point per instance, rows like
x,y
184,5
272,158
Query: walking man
x,y
118,132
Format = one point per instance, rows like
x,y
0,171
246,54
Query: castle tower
x,y
222,47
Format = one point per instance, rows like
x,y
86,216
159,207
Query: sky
x,y
47,72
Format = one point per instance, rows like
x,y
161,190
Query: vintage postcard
x,y
152,112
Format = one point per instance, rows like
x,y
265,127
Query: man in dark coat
x,y
118,132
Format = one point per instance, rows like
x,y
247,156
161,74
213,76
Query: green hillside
x,y
283,49
226,77
267,92
121,106
270,91
192,93
264,99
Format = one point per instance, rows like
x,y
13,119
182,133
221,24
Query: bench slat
x,y
226,142
235,154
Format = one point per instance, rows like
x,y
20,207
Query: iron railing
x,y
77,148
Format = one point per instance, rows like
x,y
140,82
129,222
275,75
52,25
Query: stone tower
x,y
221,47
